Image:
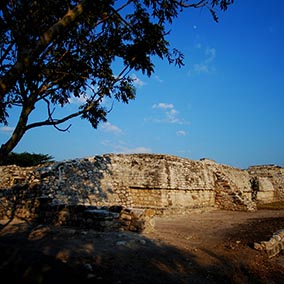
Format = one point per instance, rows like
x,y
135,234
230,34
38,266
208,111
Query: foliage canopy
x,y
26,159
52,51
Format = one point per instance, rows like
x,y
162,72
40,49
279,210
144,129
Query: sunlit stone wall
x,y
154,181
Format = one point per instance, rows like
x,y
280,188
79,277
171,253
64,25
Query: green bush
x,y
26,159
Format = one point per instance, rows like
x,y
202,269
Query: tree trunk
x,y
19,130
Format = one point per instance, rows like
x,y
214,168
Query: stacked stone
x,y
114,218
161,182
14,175
232,190
270,182
274,246
76,181
137,219
19,201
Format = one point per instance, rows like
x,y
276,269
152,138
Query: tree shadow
x,y
48,254
18,202
242,262
72,182
76,181
255,230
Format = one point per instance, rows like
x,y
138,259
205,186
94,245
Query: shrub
x,y
26,159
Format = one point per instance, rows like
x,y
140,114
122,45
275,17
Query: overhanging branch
x,y
8,81
53,122
199,4
11,77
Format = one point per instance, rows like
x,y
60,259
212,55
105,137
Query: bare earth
x,y
212,246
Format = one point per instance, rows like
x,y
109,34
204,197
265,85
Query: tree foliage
x,y
52,51
26,159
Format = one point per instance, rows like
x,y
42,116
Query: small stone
x,y
142,242
88,267
90,276
121,243
257,246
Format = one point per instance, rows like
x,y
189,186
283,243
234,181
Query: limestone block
x,y
265,184
274,246
266,196
149,181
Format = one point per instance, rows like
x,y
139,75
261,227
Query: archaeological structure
x,y
132,187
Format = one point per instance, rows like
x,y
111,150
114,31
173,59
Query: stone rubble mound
x,y
273,246
103,218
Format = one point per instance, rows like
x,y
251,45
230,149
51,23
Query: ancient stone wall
x,y
162,182
268,181
232,187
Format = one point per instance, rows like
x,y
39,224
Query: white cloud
x,y
172,116
201,68
158,79
198,45
163,106
126,150
78,100
108,127
7,129
210,54
206,65
169,113
137,81
181,133
121,147
166,113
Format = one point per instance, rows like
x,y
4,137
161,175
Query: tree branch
x,y
8,81
54,122
199,4
20,129
50,118
6,51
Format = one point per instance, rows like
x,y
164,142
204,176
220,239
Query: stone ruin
x,y
124,192
273,246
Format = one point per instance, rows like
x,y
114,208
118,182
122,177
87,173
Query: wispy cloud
x,y
137,81
108,127
126,150
210,54
206,65
181,133
7,129
158,79
121,147
163,106
169,113
198,45
201,68
78,100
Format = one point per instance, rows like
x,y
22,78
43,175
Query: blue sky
x,y
225,104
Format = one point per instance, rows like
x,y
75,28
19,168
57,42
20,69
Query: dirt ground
x,y
212,246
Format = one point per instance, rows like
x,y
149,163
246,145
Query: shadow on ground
x,y
44,254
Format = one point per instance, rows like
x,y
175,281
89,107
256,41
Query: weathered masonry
x,y
160,182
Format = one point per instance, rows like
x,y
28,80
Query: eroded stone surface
x,y
162,182
274,245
